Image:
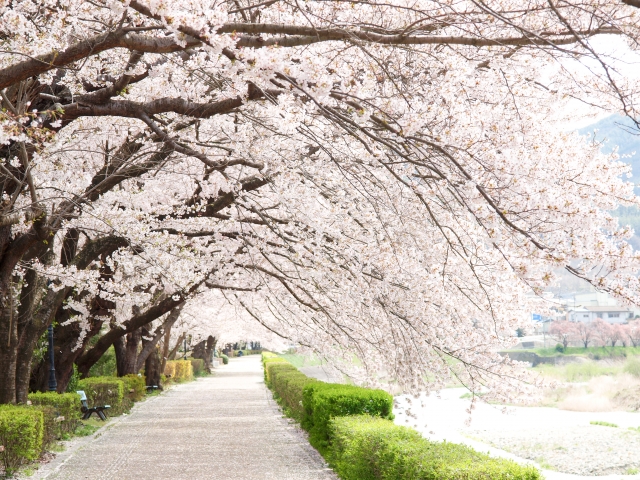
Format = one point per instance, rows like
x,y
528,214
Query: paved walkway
x,y
226,426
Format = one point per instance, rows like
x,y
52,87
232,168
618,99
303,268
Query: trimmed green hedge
x,y
21,434
352,428
135,386
105,391
313,403
179,370
197,364
324,401
369,448
66,409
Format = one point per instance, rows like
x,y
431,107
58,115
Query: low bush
x,y
65,409
170,369
225,359
289,387
313,403
197,364
324,401
370,448
135,387
182,370
268,361
21,434
105,391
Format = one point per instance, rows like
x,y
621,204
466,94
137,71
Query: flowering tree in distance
x,y
384,180
564,331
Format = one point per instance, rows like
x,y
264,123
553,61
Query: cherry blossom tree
x,y
564,331
621,334
634,333
603,331
385,181
586,332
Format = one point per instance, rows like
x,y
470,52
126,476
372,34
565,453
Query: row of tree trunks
x,y
204,350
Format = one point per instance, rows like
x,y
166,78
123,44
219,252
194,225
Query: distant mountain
x,y
619,131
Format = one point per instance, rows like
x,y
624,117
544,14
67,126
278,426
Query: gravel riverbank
x,y
565,444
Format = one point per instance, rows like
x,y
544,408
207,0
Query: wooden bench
x,y
87,412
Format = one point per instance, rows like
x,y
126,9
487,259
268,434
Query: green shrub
x,y
225,359
269,363
289,387
21,434
183,371
65,405
275,366
324,401
560,348
369,448
104,391
197,364
135,387
51,430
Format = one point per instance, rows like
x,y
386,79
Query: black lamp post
x,y
53,385
185,347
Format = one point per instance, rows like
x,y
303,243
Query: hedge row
x,y
179,370
352,428
313,403
368,448
118,392
22,433
65,409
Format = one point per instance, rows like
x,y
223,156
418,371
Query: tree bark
x,y
169,303
120,348
149,345
8,353
165,349
152,366
131,352
211,346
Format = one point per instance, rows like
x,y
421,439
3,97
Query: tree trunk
x,y
152,367
165,349
149,345
131,357
8,353
120,347
90,357
204,350
211,346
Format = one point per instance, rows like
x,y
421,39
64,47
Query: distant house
x,y
611,314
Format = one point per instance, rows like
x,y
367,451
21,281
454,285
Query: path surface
x,y
219,427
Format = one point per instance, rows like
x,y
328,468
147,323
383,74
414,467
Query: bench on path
x,y
87,412
151,388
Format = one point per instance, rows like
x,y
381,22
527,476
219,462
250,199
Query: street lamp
x,y
53,385
185,347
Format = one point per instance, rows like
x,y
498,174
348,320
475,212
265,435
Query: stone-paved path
x,y
226,426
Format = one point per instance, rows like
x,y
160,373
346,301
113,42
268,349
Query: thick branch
x,y
150,345
91,46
